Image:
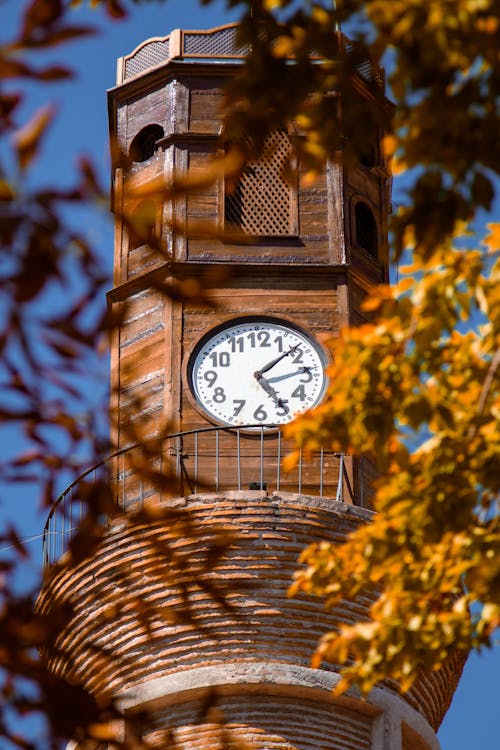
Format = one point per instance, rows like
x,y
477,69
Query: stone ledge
x,y
274,678
276,498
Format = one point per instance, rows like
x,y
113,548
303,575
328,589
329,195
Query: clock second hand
x,y
259,373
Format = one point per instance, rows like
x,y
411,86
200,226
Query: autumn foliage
x,y
417,390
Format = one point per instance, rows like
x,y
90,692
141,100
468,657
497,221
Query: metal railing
x,y
207,460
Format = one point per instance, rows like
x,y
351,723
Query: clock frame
x,y
255,370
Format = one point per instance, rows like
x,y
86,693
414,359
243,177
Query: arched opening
x,y
144,144
366,229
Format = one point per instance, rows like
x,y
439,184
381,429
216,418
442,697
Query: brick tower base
x,y
238,674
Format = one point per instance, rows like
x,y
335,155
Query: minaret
x,y
206,389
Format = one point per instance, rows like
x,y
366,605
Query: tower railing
x,y
222,44
200,461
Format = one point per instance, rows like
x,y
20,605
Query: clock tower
x,y
224,296
283,261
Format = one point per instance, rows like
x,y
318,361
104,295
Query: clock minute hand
x,y
259,373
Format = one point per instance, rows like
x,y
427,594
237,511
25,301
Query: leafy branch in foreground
x,y
419,373
418,391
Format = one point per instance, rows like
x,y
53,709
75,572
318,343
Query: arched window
x,y
144,144
366,229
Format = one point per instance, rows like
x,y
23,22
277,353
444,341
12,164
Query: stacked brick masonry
x,y
256,624
262,720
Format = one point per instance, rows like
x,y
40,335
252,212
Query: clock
x,y
253,371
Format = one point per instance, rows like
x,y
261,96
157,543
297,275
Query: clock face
x,y
256,371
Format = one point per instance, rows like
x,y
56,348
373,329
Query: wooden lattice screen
x,y
262,202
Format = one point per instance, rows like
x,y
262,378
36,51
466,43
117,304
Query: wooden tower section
x,y
284,261
296,254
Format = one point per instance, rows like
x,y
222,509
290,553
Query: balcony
x,y
207,460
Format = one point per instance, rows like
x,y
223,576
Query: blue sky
x,y
82,128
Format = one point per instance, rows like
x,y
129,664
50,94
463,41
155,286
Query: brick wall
x,y
139,617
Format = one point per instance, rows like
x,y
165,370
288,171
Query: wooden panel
x,y
142,259
120,246
143,317
206,100
357,294
148,360
142,383
142,403
142,173
313,210
202,206
364,182
366,474
317,310
141,359
295,251
368,266
312,246
336,226
148,108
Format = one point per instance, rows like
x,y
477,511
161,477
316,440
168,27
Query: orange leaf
x,y
492,240
115,9
27,140
389,145
40,14
6,190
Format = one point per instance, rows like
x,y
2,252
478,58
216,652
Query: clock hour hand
x,y
259,373
266,386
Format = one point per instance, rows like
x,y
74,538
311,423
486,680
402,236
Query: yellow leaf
x,y
271,5
283,47
415,623
321,15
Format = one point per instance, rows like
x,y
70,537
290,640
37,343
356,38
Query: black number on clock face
x,y
261,339
237,344
306,371
240,404
210,376
299,392
219,396
221,359
282,409
260,414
